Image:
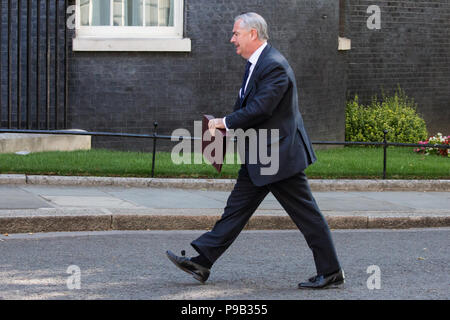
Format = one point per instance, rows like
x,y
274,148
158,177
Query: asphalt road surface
x,y
379,264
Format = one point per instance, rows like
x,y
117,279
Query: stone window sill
x,y
130,44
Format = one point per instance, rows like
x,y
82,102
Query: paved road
x,y
413,264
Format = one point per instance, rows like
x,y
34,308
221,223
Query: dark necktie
x,y
244,81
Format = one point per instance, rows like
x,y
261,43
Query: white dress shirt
x,y
253,60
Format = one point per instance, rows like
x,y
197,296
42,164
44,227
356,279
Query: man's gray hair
x,y
251,20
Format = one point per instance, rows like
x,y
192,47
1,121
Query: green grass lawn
x,y
348,162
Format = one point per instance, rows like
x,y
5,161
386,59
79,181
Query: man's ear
x,y
254,34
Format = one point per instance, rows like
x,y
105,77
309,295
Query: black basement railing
x,y
155,136
35,68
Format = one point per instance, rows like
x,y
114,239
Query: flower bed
x,y
438,139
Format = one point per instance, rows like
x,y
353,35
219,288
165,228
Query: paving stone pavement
x,y
84,206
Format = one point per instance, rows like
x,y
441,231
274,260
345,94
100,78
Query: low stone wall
x,y
15,142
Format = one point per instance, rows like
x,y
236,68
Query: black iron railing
x,y
39,96
155,136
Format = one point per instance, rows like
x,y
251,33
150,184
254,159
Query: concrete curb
x,y
227,184
37,224
13,179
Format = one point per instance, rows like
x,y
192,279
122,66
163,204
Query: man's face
x,y
242,39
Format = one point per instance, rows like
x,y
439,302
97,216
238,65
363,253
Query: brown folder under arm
x,y
208,140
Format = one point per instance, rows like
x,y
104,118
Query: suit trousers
x,y
295,197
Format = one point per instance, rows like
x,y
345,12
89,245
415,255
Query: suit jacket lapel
x,y
251,82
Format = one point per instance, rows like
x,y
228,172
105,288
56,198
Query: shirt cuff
x,y
225,123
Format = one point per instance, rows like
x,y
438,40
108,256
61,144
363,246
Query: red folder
x,y
207,140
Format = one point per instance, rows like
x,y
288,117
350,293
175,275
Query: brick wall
x,y
412,49
127,92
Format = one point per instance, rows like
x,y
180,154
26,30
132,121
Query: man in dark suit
x,y
267,100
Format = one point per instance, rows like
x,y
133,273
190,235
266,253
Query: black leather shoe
x,y
199,272
321,282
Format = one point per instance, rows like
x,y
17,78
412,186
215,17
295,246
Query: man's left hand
x,y
214,124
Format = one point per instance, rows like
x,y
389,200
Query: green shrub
x,y
397,114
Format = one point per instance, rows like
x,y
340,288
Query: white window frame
x,y
132,38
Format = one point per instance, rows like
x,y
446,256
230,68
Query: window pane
x,y
133,12
165,17
101,15
127,12
95,12
118,12
84,12
159,13
151,13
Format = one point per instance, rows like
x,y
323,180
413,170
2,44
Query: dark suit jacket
x,y
271,102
